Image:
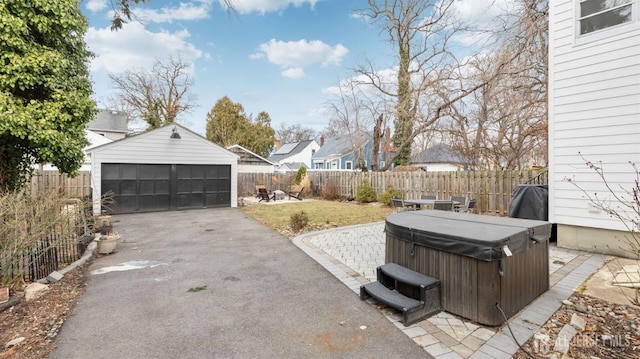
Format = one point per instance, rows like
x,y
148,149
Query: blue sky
x,y
278,56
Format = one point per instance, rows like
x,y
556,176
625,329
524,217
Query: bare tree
x,y
157,97
295,133
504,123
353,112
429,78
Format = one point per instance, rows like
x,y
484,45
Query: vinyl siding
x,y
594,111
155,147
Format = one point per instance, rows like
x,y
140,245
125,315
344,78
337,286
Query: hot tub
x,y
480,260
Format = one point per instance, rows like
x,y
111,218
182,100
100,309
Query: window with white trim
x,y
348,165
596,15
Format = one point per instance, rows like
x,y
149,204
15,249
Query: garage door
x,y
164,187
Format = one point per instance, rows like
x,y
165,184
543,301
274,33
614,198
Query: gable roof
x,y
288,150
247,156
109,120
168,129
439,153
337,146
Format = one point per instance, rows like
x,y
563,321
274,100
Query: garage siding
x,y
149,154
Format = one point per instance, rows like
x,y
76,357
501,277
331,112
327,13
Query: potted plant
x,y
107,242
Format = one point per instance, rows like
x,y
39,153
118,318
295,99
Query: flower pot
x,y
106,246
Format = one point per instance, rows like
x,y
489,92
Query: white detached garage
x,y
165,169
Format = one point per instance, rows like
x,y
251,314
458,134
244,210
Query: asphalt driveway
x,y
264,298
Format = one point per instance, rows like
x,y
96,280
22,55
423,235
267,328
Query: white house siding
x,y
594,110
305,155
256,169
155,147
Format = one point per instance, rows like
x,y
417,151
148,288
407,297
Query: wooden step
x,y
406,275
388,296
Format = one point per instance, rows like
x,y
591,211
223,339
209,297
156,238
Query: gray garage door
x,y
165,187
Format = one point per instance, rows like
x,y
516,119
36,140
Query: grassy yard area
x,y
322,214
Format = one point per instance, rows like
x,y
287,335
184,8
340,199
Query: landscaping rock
x,y
578,322
564,338
14,342
54,277
35,290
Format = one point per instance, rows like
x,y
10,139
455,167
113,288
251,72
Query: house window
x,y
348,165
600,14
382,164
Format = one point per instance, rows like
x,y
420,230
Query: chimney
x,y
277,144
321,141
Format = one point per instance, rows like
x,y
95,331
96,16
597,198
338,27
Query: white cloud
x,y
185,11
480,16
265,6
300,54
293,73
135,47
96,5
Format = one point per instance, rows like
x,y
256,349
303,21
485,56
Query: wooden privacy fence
x,y
76,187
492,189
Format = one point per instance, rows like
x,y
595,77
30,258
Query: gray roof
x,y
248,157
110,121
288,150
439,153
339,146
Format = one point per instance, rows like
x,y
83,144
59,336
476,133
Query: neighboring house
x,y
111,124
291,153
341,152
250,162
106,126
594,115
164,169
438,157
94,141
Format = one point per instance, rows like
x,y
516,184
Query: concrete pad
x,y
600,284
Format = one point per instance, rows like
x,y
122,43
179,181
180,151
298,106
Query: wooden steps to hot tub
x,y
416,295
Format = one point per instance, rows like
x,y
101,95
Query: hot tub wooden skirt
x,y
471,287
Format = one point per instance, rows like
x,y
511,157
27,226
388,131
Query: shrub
x,y
27,219
302,171
365,193
330,191
386,197
299,220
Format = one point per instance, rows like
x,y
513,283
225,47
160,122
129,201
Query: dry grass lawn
x,y
321,213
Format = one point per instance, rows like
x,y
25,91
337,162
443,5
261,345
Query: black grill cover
x,y
530,201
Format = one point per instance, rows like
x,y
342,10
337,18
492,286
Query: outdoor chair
x,y
399,205
297,195
443,205
265,196
471,206
428,196
462,203
258,188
